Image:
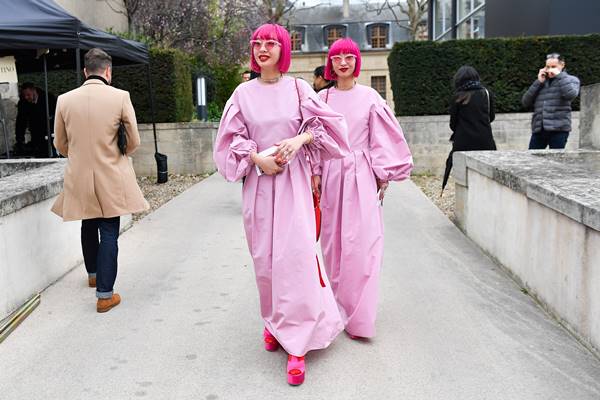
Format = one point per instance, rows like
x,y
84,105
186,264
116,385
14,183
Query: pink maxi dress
x,y
278,210
352,232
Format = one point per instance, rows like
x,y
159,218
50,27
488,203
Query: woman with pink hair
x,y
271,127
354,187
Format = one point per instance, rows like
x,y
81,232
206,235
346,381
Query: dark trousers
x,y
554,140
100,256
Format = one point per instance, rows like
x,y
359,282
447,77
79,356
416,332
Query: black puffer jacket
x,y
551,102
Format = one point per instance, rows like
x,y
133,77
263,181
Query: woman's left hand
x,y
289,147
381,188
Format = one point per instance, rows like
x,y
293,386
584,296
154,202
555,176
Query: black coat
x,y
34,116
551,102
471,122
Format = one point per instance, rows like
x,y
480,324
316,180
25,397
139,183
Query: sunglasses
x,y
269,44
348,58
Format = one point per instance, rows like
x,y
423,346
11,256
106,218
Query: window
x,y
442,17
458,19
378,83
297,37
472,27
333,33
378,36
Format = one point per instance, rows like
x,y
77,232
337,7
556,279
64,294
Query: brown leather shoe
x,y
105,305
92,281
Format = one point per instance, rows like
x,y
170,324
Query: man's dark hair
x,y
27,85
96,60
320,71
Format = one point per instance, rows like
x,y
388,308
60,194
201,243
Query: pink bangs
x,y
342,46
274,32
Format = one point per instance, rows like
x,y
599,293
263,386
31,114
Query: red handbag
x,y
316,197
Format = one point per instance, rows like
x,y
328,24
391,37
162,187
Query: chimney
x,y
346,8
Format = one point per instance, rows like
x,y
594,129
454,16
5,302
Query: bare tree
x,y
408,14
275,10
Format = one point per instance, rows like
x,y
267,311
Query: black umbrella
x,y
447,172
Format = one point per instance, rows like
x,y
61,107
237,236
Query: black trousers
x,y
100,254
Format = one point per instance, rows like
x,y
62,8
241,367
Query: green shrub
x,y
421,72
171,72
221,81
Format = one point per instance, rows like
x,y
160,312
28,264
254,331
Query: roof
x,y
324,14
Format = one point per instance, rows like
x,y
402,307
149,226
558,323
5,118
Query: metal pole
x,y
454,18
152,106
430,15
78,65
49,137
4,130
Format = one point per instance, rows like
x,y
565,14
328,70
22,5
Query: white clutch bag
x,y
265,153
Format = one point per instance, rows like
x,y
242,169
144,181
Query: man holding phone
x,y
550,96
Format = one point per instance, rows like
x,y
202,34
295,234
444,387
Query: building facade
x,y
473,19
314,29
100,14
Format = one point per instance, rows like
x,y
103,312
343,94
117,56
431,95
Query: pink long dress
x,y
278,211
352,233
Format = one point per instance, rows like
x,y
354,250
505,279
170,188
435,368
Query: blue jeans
x,y
100,256
542,139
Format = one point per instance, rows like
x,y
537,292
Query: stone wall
x,y
537,214
590,117
428,137
36,246
188,147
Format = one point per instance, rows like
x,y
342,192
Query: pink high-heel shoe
x,y
354,337
271,344
295,370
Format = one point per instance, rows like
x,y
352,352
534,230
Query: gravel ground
x,y
157,195
431,186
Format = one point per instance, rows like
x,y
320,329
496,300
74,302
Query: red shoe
x,y
354,337
271,344
295,370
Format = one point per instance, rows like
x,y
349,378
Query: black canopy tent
x,y
42,36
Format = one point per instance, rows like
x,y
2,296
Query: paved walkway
x,y
451,325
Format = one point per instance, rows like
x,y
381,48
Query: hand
x,y
381,188
553,72
268,165
289,147
542,75
316,184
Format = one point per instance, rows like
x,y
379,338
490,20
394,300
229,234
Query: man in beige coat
x,y
100,183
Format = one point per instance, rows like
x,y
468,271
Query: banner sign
x,y
8,69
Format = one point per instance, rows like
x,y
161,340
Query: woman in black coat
x,y
471,115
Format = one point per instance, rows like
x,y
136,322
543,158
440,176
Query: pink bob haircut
x,y
342,46
273,32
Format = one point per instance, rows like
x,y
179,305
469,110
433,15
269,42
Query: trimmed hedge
x,y
421,72
221,81
171,72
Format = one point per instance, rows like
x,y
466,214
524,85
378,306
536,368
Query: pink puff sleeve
x,y
233,145
328,127
390,156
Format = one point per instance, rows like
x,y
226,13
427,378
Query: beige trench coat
x,y
99,181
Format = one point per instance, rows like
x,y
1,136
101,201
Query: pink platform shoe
x,y
271,343
295,370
